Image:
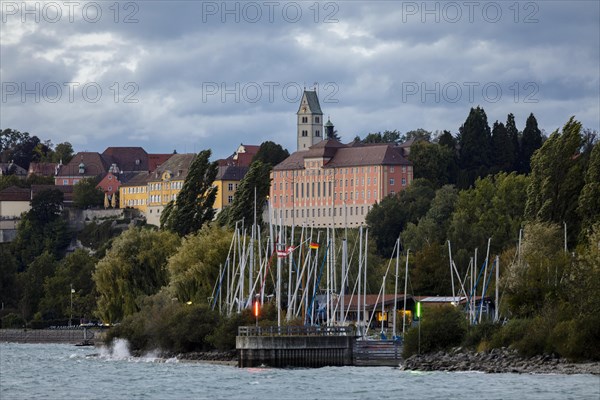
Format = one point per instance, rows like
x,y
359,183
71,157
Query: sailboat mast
x,y
405,289
343,286
496,304
396,290
358,302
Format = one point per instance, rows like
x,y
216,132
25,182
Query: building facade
x,y
332,184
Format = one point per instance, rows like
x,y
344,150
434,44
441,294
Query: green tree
x,y
8,276
385,137
134,267
494,208
433,227
446,139
242,207
31,283
387,219
589,199
433,162
41,229
429,270
440,329
474,142
530,142
270,153
535,280
513,134
63,152
75,269
194,269
503,151
557,178
194,205
417,135
86,194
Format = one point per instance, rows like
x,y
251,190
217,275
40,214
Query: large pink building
x,y
333,184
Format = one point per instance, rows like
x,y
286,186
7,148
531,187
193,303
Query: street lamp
x,y
71,314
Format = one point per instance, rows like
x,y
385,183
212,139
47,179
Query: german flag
x,y
314,246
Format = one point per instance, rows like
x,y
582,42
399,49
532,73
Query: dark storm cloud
x,y
214,74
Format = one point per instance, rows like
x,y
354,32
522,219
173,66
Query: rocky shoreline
x,y
497,361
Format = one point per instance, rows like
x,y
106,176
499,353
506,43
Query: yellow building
x,y
227,181
165,183
151,192
134,193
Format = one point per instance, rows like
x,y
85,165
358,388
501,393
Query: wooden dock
x,y
294,346
313,347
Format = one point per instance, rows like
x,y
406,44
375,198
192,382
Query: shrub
x,y
441,328
12,320
480,336
577,339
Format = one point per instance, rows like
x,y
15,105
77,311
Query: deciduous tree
x,y
134,267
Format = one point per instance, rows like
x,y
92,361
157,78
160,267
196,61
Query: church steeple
x,y
310,120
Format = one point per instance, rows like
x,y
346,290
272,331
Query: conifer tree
x,y
194,205
474,142
242,206
503,152
530,142
513,134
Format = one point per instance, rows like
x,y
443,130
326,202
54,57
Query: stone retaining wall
x,y
72,336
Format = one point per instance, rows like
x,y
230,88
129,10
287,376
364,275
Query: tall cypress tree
x,y
194,204
242,206
503,153
530,142
513,133
474,142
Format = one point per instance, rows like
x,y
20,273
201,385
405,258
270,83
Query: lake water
x,y
57,371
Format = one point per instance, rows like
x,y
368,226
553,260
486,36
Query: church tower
x,y
310,121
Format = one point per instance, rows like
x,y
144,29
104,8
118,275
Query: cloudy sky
x,y
190,75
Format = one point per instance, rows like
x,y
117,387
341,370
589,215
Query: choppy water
x,y
54,371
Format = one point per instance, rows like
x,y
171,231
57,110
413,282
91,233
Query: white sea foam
x,y
117,350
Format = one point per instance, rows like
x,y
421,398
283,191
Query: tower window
x,y
317,120
317,133
304,120
304,133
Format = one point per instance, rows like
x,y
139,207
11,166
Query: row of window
x,y
339,171
156,198
135,189
317,133
305,120
354,195
171,185
232,186
323,212
136,202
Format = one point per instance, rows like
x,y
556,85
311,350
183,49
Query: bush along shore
x,y
501,360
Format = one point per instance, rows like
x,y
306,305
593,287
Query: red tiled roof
x,y
42,169
95,165
156,160
137,179
128,159
177,164
337,154
14,193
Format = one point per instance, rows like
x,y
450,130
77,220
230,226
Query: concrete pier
x,y
295,346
